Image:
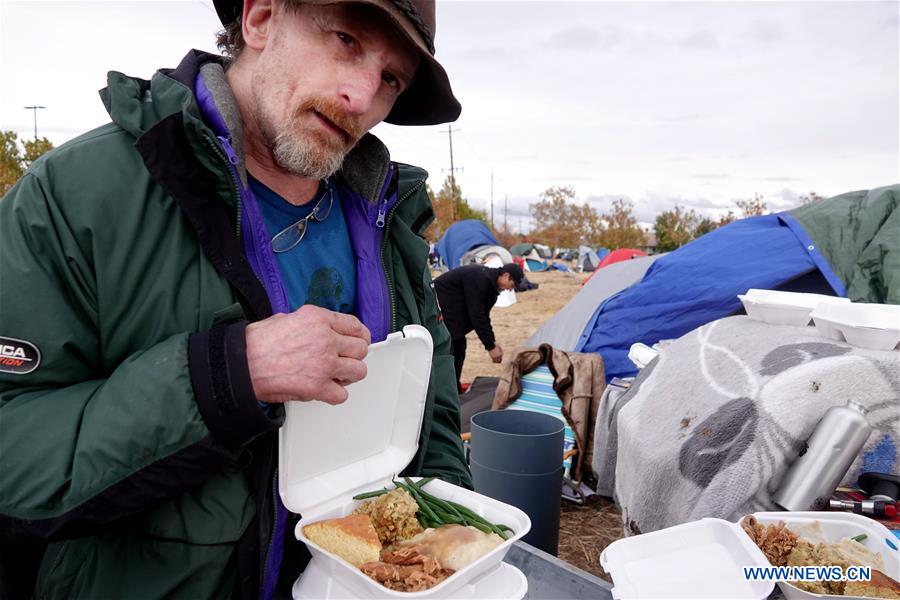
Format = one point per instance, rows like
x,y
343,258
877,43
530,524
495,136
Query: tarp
x,y
462,237
858,235
563,330
699,283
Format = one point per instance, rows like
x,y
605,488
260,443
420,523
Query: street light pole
x,y
34,109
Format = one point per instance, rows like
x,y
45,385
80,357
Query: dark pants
x,y
459,357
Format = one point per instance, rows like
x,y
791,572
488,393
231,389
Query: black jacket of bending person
x,y
467,295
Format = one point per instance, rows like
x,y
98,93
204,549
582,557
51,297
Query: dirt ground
x,y
584,530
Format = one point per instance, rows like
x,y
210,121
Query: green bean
x,y
446,506
422,482
448,518
471,516
466,515
373,494
482,527
423,506
859,537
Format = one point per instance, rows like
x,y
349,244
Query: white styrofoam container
x,y
873,326
835,526
705,559
784,308
329,453
503,582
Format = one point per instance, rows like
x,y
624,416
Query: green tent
x,y
858,233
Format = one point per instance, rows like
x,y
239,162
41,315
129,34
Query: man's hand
x,y
496,354
309,354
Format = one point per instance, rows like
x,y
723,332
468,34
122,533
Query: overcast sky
x,y
697,103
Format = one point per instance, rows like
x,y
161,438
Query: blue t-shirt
x,y
321,269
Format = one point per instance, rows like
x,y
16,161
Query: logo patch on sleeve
x,y
18,356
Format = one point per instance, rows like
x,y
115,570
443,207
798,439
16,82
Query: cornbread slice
x,y
353,538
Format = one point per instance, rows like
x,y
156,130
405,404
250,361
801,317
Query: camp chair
x,y
538,396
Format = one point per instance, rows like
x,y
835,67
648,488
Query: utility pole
x,y
506,212
492,198
453,207
34,109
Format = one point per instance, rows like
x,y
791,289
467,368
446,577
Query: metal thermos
x,y
825,459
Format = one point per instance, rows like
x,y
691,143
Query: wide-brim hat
x,y
429,100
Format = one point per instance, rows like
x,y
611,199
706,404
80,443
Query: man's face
x,y
325,75
505,282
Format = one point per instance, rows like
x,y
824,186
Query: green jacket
x,y
134,458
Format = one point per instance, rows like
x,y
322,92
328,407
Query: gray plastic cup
x,y
516,457
538,495
517,441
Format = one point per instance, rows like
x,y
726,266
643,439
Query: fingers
x,y
350,370
352,347
333,393
350,325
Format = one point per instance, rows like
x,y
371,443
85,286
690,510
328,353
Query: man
x,y
466,295
161,277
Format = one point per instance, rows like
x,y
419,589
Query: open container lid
x,y
791,299
329,451
702,559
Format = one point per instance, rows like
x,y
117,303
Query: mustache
x,y
332,110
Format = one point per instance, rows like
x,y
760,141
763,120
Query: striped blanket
x,y
538,396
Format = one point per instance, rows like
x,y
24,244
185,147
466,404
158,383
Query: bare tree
x,y
753,207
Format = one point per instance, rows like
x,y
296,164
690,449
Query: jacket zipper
x,y
234,160
227,154
265,573
385,218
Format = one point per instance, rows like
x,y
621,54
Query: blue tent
x,y
699,283
462,237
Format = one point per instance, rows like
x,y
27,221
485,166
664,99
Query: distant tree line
x,y
559,221
16,156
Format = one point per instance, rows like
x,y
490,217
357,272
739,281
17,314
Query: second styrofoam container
x,y
873,326
835,526
705,559
783,308
328,454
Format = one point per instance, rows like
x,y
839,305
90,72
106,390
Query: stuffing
x,y
393,515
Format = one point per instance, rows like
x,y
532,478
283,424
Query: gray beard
x,y
304,156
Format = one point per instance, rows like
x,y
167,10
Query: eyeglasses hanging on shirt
x,y
288,238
